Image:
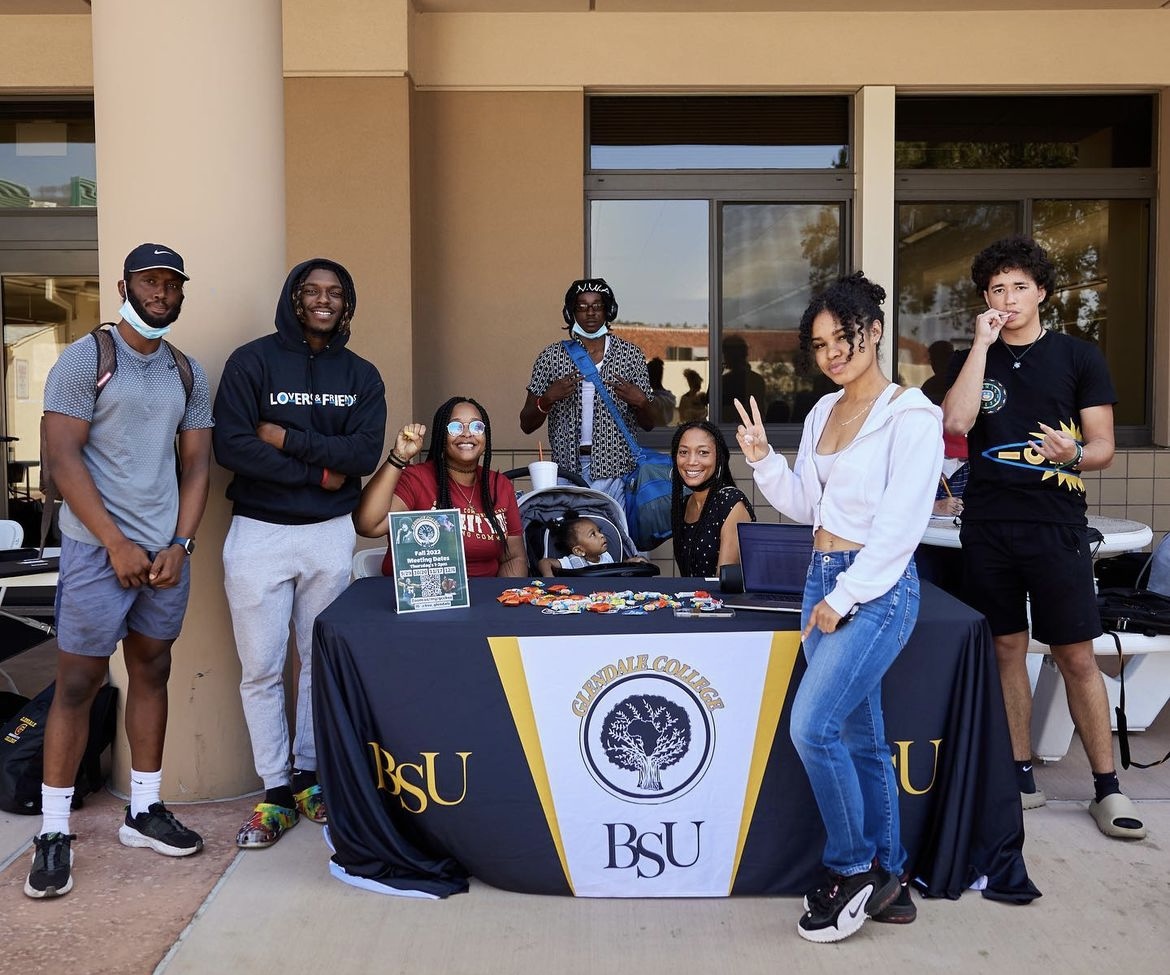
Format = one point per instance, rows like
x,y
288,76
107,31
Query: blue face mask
x,y
595,334
146,331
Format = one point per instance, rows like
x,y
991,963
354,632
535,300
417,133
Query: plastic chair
x,y
11,534
368,562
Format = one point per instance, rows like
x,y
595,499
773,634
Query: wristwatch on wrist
x,y
187,543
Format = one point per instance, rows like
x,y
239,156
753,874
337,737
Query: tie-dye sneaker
x,y
311,804
267,825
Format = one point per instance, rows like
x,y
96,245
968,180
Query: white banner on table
x,y
651,749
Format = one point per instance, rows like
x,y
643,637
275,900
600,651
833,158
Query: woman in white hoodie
x,y
864,477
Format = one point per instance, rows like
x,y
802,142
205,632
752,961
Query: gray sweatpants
x,y
274,575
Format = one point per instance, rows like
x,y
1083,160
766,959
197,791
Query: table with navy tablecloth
x,y
635,755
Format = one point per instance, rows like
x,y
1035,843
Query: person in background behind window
x,y
693,404
582,432
664,402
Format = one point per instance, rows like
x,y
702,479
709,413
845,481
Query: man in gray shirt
x,y
127,530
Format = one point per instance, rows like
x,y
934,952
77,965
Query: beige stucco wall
x,y
347,173
45,53
498,233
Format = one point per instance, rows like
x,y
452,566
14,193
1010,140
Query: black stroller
x,y
540,512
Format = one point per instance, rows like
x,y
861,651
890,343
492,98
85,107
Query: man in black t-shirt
x,y
1037,409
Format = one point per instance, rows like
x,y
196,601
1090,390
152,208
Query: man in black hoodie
x,y
299,420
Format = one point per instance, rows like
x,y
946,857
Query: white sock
x,y
55,809
144,790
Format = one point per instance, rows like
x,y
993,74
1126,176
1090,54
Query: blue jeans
x,y
837,724
613,486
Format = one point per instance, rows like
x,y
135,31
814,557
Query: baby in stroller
x,y
586,544
583,540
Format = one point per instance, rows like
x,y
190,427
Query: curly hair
x,y
854,301
437,451
1016,253
720,479
567,528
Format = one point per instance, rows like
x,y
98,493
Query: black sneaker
x,y
839,907
901,909
158,829
51,874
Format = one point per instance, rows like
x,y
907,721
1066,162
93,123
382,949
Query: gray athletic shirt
x,y
130,453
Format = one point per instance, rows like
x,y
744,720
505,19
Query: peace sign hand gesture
x,y
753,441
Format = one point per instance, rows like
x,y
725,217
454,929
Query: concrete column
x,y
873,235
190,152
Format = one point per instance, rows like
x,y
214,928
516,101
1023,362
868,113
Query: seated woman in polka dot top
x,y
705,535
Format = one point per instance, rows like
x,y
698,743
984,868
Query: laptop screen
x,y
774,557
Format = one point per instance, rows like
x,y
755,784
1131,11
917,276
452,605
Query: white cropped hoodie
x,y
880,490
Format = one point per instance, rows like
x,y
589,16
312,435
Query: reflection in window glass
x,y
937,303
654,254
996,132
1101,252
41,315
718,132
775,256
47,156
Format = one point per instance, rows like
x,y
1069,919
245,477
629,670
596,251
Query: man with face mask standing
x,y
582,432
299,420
127,532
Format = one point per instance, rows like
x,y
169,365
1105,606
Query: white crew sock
x,y
144,790
55,809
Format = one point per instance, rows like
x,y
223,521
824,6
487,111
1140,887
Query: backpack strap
x,y
183,365
1119,711
107,365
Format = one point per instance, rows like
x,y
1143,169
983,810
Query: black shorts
x,y
1005,563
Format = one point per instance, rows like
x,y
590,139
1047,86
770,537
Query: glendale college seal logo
x,y
648,736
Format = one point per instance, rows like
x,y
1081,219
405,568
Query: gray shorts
x,y
94,612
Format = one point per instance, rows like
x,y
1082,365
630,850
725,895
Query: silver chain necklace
x,y
1017,359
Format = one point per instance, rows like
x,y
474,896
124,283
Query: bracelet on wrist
x,y
1075,462
395,461
543,411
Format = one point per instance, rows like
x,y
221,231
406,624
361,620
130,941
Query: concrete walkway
x,y
1105,909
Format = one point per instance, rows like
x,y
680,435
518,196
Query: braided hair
x,y
854,301
437,452
720,479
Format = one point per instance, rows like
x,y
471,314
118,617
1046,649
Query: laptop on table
x,y
774,559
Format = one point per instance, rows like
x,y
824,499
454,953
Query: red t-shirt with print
x,y
418,488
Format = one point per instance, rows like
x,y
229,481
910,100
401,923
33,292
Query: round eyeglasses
x,y
476,428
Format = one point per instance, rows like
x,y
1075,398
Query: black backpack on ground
x,y
22,749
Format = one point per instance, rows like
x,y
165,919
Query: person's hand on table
x,y
750,435
948,506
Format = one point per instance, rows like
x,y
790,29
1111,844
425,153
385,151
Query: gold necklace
x,y
864,409
466,496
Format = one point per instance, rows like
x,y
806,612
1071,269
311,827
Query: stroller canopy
x,y
540,511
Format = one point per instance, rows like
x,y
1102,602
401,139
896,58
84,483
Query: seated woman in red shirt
x,y
456,474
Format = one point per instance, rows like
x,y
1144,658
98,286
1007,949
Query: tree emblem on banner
x,y
646,734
